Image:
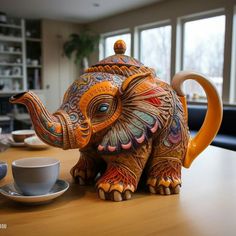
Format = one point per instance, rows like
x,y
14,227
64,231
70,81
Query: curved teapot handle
x,y
212,119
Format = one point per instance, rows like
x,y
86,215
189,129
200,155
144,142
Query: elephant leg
x,y
164,167
87,168
122,175
164,175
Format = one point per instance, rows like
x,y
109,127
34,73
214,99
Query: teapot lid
x,y
119,58
120,63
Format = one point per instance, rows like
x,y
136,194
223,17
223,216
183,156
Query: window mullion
x,y
229,13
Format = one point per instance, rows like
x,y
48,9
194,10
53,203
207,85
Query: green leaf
x,y
81,45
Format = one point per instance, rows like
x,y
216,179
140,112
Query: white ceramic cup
x,y
35,176
20,135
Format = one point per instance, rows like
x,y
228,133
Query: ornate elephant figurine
x,y
126,123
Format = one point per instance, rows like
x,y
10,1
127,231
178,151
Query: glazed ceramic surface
x,y
35,176
35,143
12,143
3,169
126,121
20,135
10,192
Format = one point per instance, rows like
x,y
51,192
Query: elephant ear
x,y
143,114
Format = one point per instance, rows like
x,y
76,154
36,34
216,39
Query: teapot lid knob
x,y
120,47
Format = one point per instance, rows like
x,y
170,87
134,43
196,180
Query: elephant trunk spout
x,y
50,128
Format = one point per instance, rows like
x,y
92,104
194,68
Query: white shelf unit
x,y
10,53
33,39
11,39
11,64
32,66
14,26
11,76
13,57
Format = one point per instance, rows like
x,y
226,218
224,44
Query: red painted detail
x,y
154,100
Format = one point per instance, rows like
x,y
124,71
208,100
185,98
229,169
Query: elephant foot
x,y
84,172
117,184
165,177
164,186
115,192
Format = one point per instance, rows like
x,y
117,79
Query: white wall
x,y
58,71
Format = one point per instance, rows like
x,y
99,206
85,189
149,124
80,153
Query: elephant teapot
x,y
122,117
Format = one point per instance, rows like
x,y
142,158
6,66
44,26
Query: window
x,y
198,45
155,50
203,51
110,40
233,62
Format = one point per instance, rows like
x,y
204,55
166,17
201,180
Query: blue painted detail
x,y
115,60
103,107
51,129
125,59
73,117
117,80
99,78
74,88
147,118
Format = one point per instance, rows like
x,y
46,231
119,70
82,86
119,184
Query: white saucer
x,y
10,192
35,143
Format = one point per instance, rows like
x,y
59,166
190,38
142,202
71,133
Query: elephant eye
x,y
103,107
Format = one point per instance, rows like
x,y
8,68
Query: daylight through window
x,y
203,51
109,43
155,50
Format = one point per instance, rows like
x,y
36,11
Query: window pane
x,y
155,50
204,52
233,63
109,43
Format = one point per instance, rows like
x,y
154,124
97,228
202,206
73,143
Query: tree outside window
x,y
203,51
155,50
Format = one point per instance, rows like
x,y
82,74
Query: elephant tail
x,y
212,119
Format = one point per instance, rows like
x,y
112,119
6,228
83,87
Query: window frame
x,y
140,28
177,45
232,92
102,47
180,40
137,37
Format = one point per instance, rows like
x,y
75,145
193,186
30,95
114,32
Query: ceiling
x,y
81,11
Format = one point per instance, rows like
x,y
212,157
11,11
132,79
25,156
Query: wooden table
x,y
205,206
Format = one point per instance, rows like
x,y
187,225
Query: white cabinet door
x,y
58,71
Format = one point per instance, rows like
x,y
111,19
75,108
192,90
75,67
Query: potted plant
x,y
81,46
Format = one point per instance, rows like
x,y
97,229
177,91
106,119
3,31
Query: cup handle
x,y
213,116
